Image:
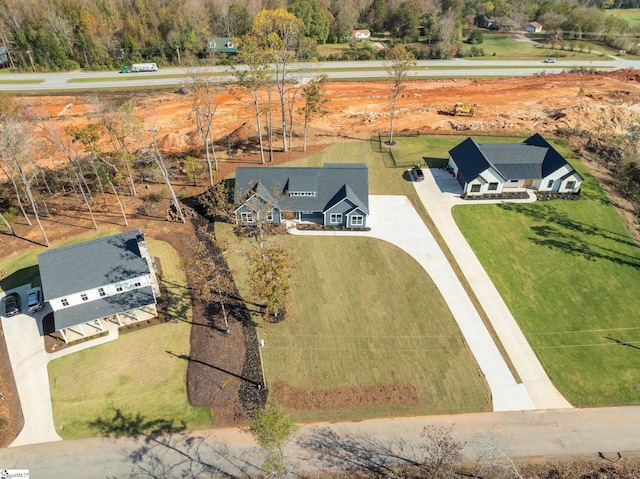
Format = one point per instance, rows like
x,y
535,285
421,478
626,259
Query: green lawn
x,y
569,272
364,313
135,375
631,15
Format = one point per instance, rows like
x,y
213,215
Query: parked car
x,y
550,60
418,174
34,300
11,304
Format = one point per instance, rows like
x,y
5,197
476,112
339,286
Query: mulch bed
x,y
338,398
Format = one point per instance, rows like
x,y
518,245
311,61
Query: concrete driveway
x,y
394,219
439,192
23,334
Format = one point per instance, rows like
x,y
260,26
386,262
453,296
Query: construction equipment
x,y
459,109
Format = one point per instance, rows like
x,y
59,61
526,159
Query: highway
x,y
79,80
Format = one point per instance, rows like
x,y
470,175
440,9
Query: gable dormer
x,y
302,185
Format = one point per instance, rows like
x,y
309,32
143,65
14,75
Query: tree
x,y
314,19
204,103
270,278
272,429
314,96
208,274
443,454
238,21
398,62
447,33
253,78
13,141
279,32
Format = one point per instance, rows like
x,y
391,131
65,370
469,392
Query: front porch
x,y
96,327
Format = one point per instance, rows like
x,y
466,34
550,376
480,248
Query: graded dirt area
x,y
604,102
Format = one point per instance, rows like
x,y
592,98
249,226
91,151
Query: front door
x,y
527,183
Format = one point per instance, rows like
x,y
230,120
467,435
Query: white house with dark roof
x,y
498,167
106,278
336,194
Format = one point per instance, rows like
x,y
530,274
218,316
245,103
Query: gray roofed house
x,y
498,167
336,194
101,278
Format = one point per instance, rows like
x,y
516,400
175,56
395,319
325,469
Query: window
x,y
357,220
101,292
64,301
246,217
137,284
571,185
335,218
550,184
84,297
513,181
493,186
270,216
119,288
475,188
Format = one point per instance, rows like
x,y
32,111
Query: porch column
x,y
118,319
82,330
64,336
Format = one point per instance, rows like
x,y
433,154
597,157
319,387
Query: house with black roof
x,y
108,278
336,194
498,167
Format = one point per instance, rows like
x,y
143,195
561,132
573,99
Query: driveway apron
x,y
395,220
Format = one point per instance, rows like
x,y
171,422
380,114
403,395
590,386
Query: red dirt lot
x,y
608,101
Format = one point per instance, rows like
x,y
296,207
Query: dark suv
x,y
11,304
417,173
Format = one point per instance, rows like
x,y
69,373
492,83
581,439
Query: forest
x,y
55,35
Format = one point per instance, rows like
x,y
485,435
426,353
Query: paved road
x,y
374,444
334,70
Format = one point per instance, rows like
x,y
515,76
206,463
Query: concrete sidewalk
x,y
439,192
395,220
25,343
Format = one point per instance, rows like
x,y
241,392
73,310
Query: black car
x,y
417,173
11,304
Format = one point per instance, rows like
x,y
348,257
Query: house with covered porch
x,y
336,194
112,278
495,168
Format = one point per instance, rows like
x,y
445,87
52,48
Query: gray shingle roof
x,y
328,180
532,159
103,307
91,264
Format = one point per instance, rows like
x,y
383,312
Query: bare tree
x,y
279,32
443,454
64,145
398,62
204,103
13,143
123,127
314,96
253,78
151,146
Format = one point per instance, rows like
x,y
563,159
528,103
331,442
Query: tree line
x,y
49,35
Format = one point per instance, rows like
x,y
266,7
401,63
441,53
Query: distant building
x,y
4,56
359,35
221,45
532,27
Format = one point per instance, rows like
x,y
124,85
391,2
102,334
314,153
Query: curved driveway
x,y
395,220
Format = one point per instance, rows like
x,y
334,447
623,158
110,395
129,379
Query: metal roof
x,y
327,182
91,264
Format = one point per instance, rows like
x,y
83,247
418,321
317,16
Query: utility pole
x,y
178,50
31,60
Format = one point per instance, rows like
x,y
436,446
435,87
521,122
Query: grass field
x,y
631,15
365,313
569,272
135,374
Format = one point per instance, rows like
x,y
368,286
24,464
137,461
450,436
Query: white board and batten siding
x,y
93,294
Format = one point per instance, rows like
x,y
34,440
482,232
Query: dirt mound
x,y
172,142
243,134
